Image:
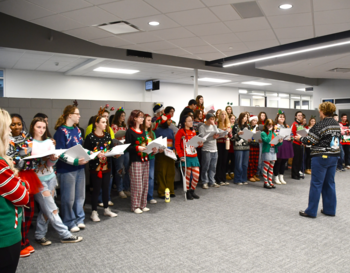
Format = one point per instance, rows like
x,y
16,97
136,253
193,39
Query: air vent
x,y
119,27
340,70
248,9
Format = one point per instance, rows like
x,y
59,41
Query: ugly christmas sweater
x,y
296,126
136,139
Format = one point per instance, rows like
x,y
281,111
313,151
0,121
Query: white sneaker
x,y
81,226
348,167
145,209
100,205
108,212
153,201
215,185
94,216
205,186
245,183
276,180
282,179
239,184
222,183
227,183
122,195
138,211
128,193
110,203
74,229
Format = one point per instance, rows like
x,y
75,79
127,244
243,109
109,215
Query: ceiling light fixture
x,y
286,54
285,6
116,70
300,89
242,91
154,23
258,97
257,83
298,98
213,80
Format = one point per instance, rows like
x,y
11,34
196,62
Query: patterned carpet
x,y
229,229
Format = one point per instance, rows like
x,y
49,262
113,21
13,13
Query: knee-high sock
x,y
270,171
195,177
265,171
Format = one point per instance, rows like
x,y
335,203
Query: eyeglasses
x,y
78,114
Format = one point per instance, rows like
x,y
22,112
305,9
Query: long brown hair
x,y
197,113
278,115
149,130
240,118
31,128
259,117
310,121
134,114
267,123
197,100
98,119
117,117
70,109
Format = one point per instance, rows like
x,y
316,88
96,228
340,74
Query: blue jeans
x,y
261,163
123,182
241,166
341,158
72,186
151,179
208,164
109,191
47,208
322,181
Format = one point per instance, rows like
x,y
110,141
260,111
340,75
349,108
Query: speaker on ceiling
x,y
141,54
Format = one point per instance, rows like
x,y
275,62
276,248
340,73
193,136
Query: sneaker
x,y
108,212
240,184
153,201
24,253
145,209
228,177
222,183
138,211
205,186
227,183
100,205
215,185
122,195
110,203
72,239
245,183
74,229
30,249
43,241
94,216
342,170
81,226
348,167
128,193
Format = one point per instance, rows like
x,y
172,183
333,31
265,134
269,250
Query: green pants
x,y
164,173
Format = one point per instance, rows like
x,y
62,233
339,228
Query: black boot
x,y
189,195
195,196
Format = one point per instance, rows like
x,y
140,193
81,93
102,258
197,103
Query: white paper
x,y
247,134
285,131
276,139
222,133
117,150
48,153
208,108
120,134
302,132
170,153
174,128
93,155
157,143
194,141
78,152
257,136
260,127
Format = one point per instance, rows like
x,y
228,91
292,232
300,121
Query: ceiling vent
x,y
119,27
340,70
248,9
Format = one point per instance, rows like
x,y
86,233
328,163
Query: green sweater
x,y
266,142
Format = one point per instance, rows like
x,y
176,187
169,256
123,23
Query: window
x,y
244,101
295,101
305,102
1,83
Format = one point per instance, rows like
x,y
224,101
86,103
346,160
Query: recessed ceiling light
x,y
286,6
300,89
213,80
257,83
154,23
116,70
242,91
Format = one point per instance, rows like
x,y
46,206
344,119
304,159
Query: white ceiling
x,y
198,29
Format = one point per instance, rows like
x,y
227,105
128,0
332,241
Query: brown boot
x,y
252,179
256,178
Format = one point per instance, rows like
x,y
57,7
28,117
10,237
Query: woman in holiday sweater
x,y
297,146
253,151
48,210
70,171
241,148
284,152
13,196
139,165
324,137
188,154
231,153
262,117
100,168
312,122
164,165
121,176
269,152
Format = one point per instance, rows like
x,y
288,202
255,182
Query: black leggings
x,y
280,166
97,183
308,158
297,160
230,163
220,175
10,257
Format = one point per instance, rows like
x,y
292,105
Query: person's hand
x,y
53,157
297,137
154,150
200,143
270,129
141,148
240,133
229,130
249,140
54,141
215,136
82,161
101,155
160,150
280,140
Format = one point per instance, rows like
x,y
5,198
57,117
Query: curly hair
x,y
327,108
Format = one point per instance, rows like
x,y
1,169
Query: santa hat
x,y
157,108
253,117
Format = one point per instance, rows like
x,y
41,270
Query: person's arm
x,y
61,144
266,137
88,130
312,137
111,132
294,129
129,139
11,187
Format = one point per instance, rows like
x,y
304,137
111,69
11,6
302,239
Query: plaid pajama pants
x,y
28,214
139,176
253,161
268,172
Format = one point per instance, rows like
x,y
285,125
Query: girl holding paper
x,y
100,168
231,153
269,152
253,152
48,210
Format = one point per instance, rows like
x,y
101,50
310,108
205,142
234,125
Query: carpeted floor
x,y
229,229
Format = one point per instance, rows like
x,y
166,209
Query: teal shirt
x,y
149,139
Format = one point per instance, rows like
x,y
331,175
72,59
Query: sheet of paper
x,y
157,143
208,108
344,136
194,141
276,139
93,155
52,152
117,150
260,127
170,153
120,134
257,136
285,131
247,134
302,132
174,128
78,152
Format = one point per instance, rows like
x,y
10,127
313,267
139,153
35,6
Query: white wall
x,y
331,89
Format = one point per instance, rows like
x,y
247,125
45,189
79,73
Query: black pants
x,y
9,257
297,160
346,149
230,163
220,175
280,166
97,183
308,158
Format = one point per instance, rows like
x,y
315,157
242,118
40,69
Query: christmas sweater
x,y
254,142
169,134
89,131
117,128
44,168
190,150
136,139
240,144
295,127
324,138
67,137
345,139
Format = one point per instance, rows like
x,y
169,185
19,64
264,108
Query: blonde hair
x,y
70,109
5,121
226,123
327,108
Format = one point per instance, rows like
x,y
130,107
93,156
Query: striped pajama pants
x,y
195,177
139,176
268,172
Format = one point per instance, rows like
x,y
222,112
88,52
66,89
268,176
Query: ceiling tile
x,y
210,3
193,17
201,49
210,56
221,38
164,22
58,22
322,30
234,52
91,16
140,37
195,41
290,40
62,5
295,32
88,33
291,20
261,44
271,7
173,51
23,9
36,56
9,57
130,9
159,45
110,41
174,33
100,2
172,6
248,24
225,13
209,29
322,5
261,35
332,16
231,47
